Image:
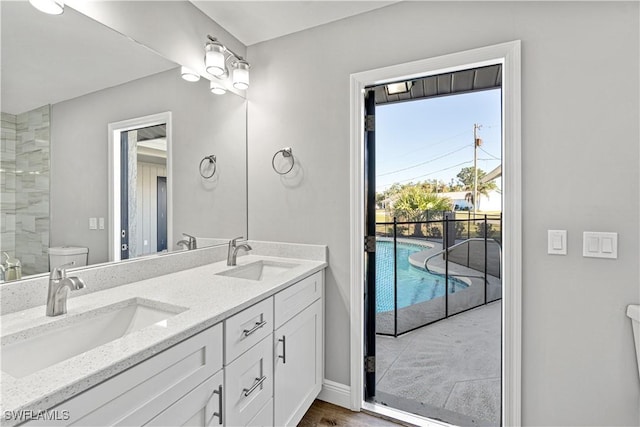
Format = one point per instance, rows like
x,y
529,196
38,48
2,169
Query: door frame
x,y
507,54
114,131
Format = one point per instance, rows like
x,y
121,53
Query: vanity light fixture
x,y
241,75
217,89
214,60
52,7
218,59
188,74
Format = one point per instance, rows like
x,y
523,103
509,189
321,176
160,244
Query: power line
x,y
428,145
425,162
486,152
425,175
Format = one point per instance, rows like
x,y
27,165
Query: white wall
x,y
203,124
580,155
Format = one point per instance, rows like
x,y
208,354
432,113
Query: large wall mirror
x,y
68,82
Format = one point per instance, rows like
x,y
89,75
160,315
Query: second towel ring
x,y
286,153
211,159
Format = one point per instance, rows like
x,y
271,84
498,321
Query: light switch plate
x,y
557,242
597,244
93,223
101,223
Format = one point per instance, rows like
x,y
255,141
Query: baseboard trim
x,y
335,393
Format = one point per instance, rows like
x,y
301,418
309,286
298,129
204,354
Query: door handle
x,y
257,326
258,383
283,340
219,413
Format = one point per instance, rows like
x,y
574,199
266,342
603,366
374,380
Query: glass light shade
x,y
188,74
241,75
52,7
214,59
217,89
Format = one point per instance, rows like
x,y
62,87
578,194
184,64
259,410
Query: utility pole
x,y
477,142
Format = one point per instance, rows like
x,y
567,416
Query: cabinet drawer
x,y
247,328
248,383
202,406
138,394
296,298
264,418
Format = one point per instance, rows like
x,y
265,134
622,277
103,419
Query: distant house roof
x,y
454,195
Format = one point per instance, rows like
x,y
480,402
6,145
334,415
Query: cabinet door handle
x,y
283,340
257,326
258,383
219,413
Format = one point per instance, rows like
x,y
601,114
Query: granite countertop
x,y
208,299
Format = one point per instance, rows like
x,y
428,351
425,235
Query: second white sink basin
x,y
30,351
259,270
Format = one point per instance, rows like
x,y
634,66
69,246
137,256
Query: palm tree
x,y
466,178
413,204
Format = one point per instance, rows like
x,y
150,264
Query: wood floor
x,y
325,414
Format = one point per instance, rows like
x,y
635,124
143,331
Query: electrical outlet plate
x,y
597,244
557,242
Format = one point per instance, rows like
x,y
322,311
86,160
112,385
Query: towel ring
x,y
286,153
211,159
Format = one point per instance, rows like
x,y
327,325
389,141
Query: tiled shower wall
x,y
25,188
8,184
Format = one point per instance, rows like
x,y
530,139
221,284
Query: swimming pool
x,y
415,285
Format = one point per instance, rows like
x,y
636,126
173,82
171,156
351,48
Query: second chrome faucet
x,y
232,252
59,287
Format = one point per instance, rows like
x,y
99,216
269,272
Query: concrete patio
x,y
449,370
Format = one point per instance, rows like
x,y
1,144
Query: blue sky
x,y
433,138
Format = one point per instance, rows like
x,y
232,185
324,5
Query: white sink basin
x,y
29,351
259,270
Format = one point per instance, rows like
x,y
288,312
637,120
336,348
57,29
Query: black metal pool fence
x,y
457,247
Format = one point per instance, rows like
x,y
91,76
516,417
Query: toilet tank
x,y
65,254
633,311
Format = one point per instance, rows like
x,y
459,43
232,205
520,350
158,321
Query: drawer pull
x,y
218,414
283,340
258,383
257,326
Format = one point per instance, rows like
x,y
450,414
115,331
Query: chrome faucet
x,y
232,252
59,287
189,243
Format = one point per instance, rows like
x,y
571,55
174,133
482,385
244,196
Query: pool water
x,y
415,285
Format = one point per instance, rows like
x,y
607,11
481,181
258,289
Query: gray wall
x,y
580,172
175,29
203,124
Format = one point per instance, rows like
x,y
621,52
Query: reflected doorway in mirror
x,y
140,186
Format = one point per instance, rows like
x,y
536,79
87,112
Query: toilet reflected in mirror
x,y
61,255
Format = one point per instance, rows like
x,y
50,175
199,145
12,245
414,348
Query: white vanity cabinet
x,y
248,363
274,381
260,367
143,392
200,407
298,347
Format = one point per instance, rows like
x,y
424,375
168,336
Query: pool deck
x,y
449,370
429,311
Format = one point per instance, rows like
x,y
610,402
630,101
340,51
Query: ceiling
x,y
48,59
482,78
253,22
